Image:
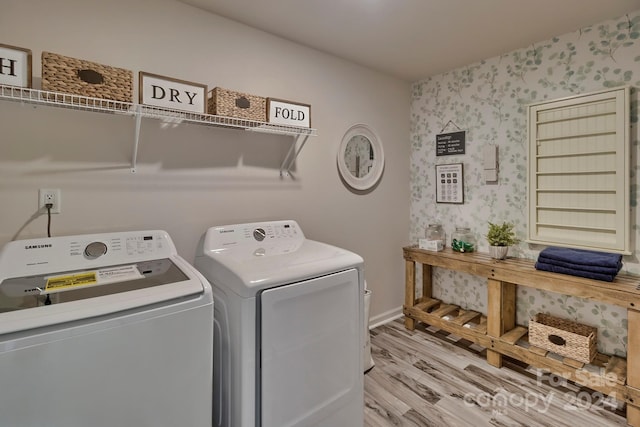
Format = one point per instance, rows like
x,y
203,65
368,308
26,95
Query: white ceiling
x,y
414,39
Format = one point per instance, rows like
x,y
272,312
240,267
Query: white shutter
x,y
579,172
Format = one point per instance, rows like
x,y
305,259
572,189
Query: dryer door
x,y
311,361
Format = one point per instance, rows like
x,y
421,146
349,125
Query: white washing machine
x,y
288,327
104,330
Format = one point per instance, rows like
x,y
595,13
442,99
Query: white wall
x,y
192,177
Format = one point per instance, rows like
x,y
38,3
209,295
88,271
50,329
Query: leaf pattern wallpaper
x,y
489,101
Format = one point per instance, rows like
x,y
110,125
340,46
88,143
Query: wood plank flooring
x,y
427,377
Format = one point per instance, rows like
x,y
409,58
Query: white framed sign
x,y
281,112
450,183
173,94
15,66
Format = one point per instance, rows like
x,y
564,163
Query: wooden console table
x,y
498,332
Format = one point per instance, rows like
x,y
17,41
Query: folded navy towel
x,y
583,257
592,268
574,272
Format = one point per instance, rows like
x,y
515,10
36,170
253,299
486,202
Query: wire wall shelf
x,y
139,111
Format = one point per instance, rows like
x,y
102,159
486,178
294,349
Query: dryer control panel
x,y
257,232
258,238
273,231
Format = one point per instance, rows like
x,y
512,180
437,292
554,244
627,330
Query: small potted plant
x,y
500,237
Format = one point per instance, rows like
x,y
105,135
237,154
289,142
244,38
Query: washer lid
x,y
56,280
237,260
20,293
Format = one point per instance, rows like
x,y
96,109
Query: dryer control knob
x,y
95,250
259,234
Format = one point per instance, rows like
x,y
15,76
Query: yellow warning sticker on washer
x,y
62,282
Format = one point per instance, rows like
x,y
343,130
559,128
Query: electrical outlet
x,y
52,196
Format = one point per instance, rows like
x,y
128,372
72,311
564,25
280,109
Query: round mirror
x,y
360,157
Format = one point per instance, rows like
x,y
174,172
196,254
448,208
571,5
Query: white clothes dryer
x,y
288,327
104,330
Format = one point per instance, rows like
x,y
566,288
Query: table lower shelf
x,y
606,374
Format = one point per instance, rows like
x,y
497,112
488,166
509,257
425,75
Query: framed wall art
x,y
174,94
450,183
288,113
15,66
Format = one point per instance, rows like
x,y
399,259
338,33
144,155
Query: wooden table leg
x,y
633,364
501,314
427,284
633,415
409,291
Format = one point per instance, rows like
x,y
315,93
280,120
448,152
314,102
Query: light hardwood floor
x,y
427,377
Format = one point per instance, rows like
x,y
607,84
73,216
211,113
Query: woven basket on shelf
x,y
564,337
223,102
79,77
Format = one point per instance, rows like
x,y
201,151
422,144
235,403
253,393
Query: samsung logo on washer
x,y
227,231
44,245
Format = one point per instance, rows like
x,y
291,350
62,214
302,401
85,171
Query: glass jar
x,y
435,233
462,240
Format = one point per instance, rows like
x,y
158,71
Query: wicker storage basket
x,y
223,102
564,337
80,77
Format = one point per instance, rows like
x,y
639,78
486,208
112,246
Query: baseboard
x,y
385,317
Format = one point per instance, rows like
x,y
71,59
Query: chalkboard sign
x,y
450,143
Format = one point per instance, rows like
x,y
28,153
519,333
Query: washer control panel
x,y
82,251
129,245
95,249
259,234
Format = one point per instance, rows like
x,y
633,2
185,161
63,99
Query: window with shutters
x,y
579,159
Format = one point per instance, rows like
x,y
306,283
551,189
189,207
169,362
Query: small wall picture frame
x,y
288,113
173,94
15,66
450,183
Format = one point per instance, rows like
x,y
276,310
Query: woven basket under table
x,y
564,337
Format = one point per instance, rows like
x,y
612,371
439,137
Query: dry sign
x,y
174,94
288,113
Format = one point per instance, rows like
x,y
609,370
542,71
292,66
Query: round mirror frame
x,y
372,177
